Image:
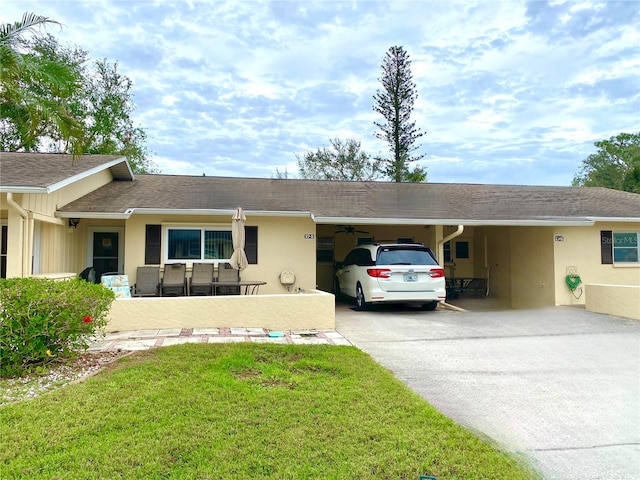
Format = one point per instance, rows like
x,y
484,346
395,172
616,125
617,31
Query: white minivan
x,y
398,273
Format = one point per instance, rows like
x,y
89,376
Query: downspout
x,y
451,236
27,232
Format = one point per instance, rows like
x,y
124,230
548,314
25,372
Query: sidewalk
x,y
145,339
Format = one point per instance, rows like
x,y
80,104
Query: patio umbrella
x,y
239,258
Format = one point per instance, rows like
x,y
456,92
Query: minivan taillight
x,y
437,272
381,272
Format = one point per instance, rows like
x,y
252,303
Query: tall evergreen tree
x,y
395,103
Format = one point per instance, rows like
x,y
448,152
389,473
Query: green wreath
x,y
573,281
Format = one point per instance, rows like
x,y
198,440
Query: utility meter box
x,y
287,277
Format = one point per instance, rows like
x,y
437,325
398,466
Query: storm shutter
x,y
152,245
606,246
251,244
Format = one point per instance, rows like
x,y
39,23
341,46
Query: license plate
x,y
410,277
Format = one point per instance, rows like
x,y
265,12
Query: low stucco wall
x,y
621,300
310,310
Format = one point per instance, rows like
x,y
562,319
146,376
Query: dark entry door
x,y
105,252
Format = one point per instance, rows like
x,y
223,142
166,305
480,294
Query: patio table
x,y
250,286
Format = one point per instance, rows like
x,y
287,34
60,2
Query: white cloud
x,y
238,88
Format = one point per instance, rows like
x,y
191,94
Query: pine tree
x,y
395,103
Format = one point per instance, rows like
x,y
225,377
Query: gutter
x,y
451,236
172,211
550,222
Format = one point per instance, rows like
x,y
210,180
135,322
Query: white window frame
x,y
613,247
203,228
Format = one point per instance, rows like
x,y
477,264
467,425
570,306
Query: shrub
x,y
45,321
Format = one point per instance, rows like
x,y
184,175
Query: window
x,y
462,249
447,252
198,244
626,246
619,247
324,250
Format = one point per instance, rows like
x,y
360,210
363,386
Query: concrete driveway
x,y
559,385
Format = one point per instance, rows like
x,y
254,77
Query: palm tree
x,y
33,91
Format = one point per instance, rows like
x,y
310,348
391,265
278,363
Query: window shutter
x,y
152,245
251,244
606,246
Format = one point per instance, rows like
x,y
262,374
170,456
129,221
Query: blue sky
x,y
509,92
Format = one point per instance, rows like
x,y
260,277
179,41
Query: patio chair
x,y
174,280
201,279
118,284
147,282
88,275
226,273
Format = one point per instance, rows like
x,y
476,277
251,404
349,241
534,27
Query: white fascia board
x,y
88,173
551,222
210,212
95,215
18,189
616,219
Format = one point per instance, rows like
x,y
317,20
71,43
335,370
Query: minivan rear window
x,y
405,256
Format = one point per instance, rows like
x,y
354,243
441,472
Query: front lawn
x,y
242,411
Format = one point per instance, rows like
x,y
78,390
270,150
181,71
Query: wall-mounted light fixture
x,y
73,222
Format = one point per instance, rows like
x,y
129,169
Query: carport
x,y
493,256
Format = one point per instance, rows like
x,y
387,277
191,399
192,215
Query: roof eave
x,y
532,222
19,189
87,173
616,219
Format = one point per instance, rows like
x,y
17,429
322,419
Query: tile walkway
x,y
145,339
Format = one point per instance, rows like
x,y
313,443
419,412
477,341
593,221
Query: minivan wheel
x,y
360,301
431,306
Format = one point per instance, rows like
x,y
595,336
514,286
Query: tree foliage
x,y
395,103
615,165
343,160
96,99
34,91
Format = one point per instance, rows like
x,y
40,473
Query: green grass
x,y
242,411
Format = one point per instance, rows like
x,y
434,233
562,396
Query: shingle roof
x,y
364,201
45,170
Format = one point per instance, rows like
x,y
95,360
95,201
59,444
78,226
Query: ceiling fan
x,y
349,230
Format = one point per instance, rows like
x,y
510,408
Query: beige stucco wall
x,y
281,246
498,262
621,300
580,248
532,257
292,311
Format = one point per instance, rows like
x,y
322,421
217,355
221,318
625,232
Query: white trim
x,y
615,219
211,212
97,216
37,248
454,221
18,189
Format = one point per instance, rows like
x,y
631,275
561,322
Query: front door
x,y
106,252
